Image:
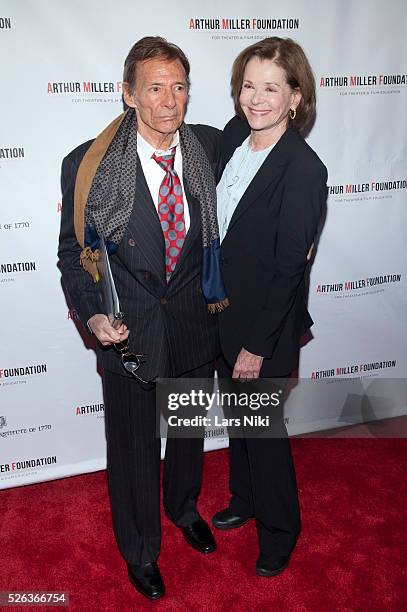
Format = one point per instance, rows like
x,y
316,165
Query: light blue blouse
x,y
236,177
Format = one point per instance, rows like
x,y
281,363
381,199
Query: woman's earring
x,y
293,113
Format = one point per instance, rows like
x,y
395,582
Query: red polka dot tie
x,y
171,211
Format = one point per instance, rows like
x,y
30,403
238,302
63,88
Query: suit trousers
x,y
263,485
133,467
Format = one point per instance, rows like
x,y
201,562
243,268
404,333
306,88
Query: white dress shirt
x,y
154,173
237,176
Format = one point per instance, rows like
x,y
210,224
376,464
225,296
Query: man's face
x,y
159,99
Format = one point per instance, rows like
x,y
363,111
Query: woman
x,y
270,200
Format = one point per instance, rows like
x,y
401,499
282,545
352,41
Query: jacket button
x,y
163,301
132,242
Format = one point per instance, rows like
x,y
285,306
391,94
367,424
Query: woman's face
x,y
266,97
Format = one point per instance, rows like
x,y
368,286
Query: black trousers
x,y
263,485
133,466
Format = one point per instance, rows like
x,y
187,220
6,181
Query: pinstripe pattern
x,y
167,321
171,326
133,465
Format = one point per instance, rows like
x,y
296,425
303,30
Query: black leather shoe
x,y
147,579
199,536
225,519
271,567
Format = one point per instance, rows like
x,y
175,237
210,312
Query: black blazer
x,y
168,322
264,253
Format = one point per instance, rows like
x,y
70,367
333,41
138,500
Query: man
x,y
146,186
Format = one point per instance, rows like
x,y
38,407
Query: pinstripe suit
x,y
170,325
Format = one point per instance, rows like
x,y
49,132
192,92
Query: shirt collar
x,y
145,150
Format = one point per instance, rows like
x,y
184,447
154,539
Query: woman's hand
x,y
247,365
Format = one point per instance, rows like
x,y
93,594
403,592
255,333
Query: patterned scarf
x,y
105,191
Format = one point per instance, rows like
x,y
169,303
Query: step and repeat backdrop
x,y
60,70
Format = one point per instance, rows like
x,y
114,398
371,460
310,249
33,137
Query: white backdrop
x,y
61,67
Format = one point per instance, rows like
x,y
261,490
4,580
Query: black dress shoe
x,y
199,536
225,519
271,567
147,579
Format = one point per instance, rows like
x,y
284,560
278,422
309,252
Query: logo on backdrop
x,y
359,287
72,314
12,271
215,432
27,464
253,23
93,409
361,370
21,375
10,155
372,190
364,84
11,152
20,266
11,433
250,28
3,422
15,225
86,91
5,23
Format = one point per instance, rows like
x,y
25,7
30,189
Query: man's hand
x,y
247,365
105,333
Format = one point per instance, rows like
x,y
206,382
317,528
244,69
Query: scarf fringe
x,y
219,306
105,191
89,260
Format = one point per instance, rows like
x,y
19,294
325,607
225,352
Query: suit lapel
x,y
145,226
271,171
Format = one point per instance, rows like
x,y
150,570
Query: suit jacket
x,y
169,322
264,253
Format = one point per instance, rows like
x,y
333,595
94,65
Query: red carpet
x,y
351,555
